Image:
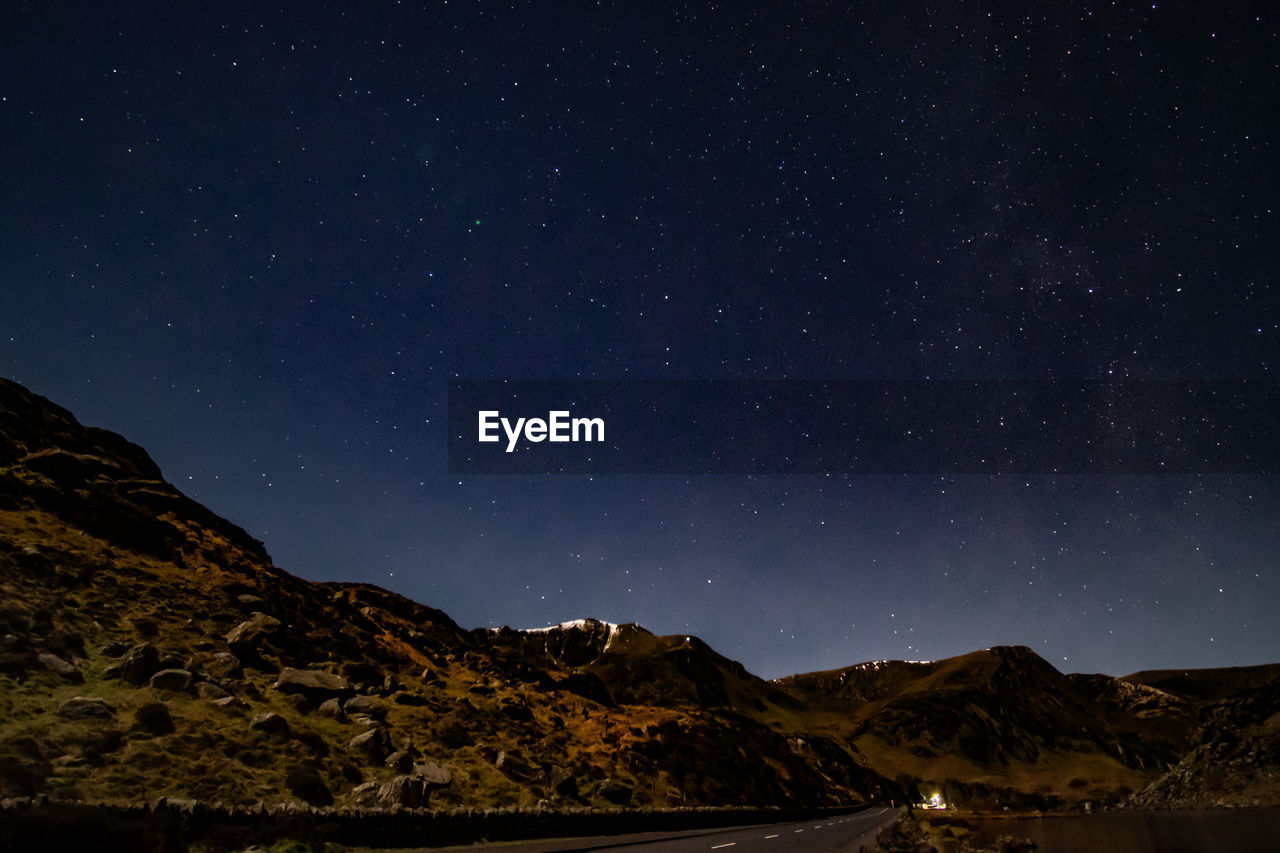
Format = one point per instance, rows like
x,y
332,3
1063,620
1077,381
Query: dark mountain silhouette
x,y
149,648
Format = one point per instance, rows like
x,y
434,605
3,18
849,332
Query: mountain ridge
x,y
150,648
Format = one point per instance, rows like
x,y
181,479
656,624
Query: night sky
x,y
260,241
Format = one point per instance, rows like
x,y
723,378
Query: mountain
x,y
1235,749
149,648
998,727
152,649
1207,684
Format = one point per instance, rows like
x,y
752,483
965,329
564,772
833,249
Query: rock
x,y
435,775
173,662
312,683
221,665
171,679
245,638
372,745
332,708
365,705
403,697
400,761
227,703
615,792
60,667
515,767
85,708
404,791
69,760
269,722
365,794
154,718
139,664
209,690
298,702
563,782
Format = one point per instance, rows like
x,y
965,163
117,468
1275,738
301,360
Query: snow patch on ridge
x,y
876,664
579,625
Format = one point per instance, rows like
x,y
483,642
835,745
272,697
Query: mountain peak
x,y
587,624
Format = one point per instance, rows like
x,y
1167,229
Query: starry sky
x,y
261,239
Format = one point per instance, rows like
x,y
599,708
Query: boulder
x,y
563,782
366,705
298,702
221,665
171,679
154,718
515,767
209,690
139,664
245,638
314,684
332,708
85,708
615,792
404,791
60,667
400,761
435,775
372,745
269,722
365,794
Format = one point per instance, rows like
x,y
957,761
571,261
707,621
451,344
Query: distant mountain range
x,y
149,648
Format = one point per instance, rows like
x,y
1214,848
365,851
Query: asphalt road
x,y
838,834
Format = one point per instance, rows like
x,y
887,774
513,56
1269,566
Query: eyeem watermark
x,y
558,427
864,427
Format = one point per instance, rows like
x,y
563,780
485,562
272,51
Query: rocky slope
x,y
1235,754
997,727
149,648
152,649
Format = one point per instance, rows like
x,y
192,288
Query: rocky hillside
x,y
998,727
151,649
1235,754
